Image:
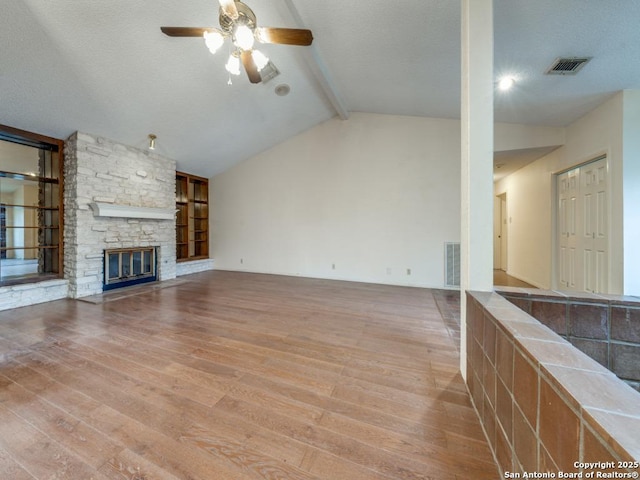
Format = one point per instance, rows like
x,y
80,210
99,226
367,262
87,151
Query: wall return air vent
x,y
567,65
452,264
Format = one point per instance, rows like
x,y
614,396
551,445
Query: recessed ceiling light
x,y
506,83
282,90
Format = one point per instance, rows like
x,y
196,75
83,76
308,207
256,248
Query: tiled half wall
x,y
544,405
607,328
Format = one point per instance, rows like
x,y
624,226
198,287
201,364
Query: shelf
x,y
29,206
43,228
128,211
40,247
195,190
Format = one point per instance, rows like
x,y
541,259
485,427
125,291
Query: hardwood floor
x,y
238,376
502,279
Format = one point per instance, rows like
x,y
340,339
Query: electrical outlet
x,y
408,271
241,260
333,266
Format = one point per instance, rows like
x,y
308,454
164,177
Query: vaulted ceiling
x,y
106,69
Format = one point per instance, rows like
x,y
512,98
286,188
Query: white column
x,y
477,156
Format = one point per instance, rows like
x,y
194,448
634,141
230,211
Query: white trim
x,y
128,211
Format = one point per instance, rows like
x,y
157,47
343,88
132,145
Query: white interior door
x,y
504,232
567,219
593,194
582,228
500,232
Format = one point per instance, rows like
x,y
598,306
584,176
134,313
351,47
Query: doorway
x,y
501,237
583,233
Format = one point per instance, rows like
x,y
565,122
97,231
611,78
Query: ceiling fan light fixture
x,y
233,65
260,59
213,39
243,37
238,24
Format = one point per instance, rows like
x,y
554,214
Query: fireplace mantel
x,y
127,211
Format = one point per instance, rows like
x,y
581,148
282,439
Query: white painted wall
x,y
531,195
512,136
374,195
18,158
631,188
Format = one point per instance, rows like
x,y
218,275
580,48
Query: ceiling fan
x,y
238,22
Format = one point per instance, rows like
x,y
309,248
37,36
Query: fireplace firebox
x,y
129,266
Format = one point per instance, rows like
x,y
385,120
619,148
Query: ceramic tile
x,y
619,431
489,340
522,303
585,297
551,314
490,428
593,450
532,330
563,354
625,324
525,387
512,291
545,462
551,294
524,442
504,408
559,428
596,390
589,321
504,358
625,360
481,297
598,350
477,357
504,454
489,381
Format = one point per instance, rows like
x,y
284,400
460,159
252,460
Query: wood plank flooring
x,y
238,376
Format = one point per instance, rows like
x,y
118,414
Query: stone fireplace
x,y
118,199
115,197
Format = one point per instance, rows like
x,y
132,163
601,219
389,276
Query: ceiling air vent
x,y
567,65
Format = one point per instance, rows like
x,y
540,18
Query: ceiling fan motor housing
x,y
245,17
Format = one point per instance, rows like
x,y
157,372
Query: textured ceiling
x,y
105,68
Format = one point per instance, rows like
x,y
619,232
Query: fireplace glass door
x,y
125,267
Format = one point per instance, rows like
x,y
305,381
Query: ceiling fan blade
x,y
229,8
250,67
185,31
284,36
